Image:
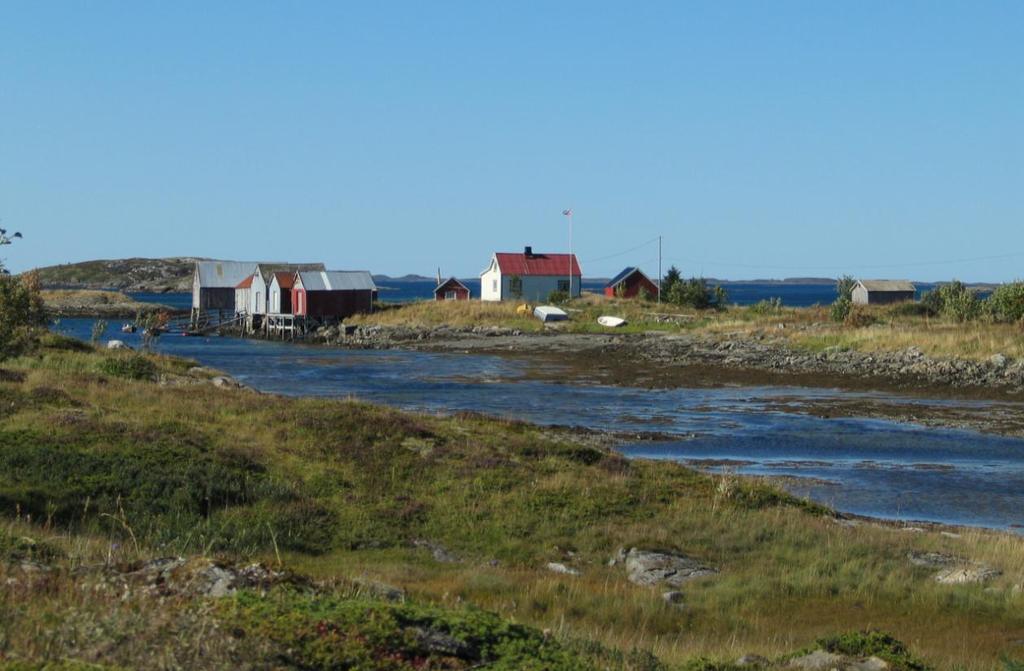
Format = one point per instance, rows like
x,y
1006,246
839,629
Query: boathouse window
x,y
515,285
449,295
563,285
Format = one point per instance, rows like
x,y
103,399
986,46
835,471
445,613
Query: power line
x,y
913,264
622,253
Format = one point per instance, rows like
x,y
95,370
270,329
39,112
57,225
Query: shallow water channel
x,y
864,466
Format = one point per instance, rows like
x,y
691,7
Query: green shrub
x,y
695,293
56,341
558,297
844,287
1006,304
953,300
766,306
327,632
840,310
858,317
910,309
21,314
873,643
99,328
131,367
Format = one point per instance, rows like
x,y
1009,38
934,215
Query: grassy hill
x,y
157,275
412,541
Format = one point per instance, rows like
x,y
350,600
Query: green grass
x,y
338,489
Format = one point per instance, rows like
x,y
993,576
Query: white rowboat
x,y
549,313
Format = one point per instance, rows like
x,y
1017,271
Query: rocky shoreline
x,y
909,368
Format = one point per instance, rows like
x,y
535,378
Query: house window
x,y
494,285
449,295
563,285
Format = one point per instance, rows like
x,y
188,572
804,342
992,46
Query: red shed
x,y
332,294
451,290
631,282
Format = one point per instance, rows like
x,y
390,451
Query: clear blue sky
x,y
762,139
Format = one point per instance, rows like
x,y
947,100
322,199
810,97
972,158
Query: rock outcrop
x,y
646,567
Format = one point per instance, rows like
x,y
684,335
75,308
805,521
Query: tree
x,y
6,240
21,313
672,278
844,287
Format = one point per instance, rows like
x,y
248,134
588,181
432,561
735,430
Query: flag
x,y
567,213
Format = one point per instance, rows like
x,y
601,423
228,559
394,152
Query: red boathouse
x,y
631,282
451,290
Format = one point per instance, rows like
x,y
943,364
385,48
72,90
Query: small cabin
x,y
530,276
214,283
280,293
630,283
883,292
451,290
333,294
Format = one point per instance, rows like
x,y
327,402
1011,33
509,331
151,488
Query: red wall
x,y
633,284
461,292
339,304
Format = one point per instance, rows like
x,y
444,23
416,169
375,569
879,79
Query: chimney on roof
x,y
528,251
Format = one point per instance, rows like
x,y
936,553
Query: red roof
x,y
285,280
537,264
246,283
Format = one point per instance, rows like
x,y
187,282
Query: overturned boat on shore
x,y
549,313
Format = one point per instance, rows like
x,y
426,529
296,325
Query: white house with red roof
x,y
529,276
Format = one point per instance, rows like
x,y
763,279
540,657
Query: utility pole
x,y
659,269
568,213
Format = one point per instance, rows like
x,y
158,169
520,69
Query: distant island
x,y
174,275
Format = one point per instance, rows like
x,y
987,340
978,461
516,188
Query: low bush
x,y
326,632
130,367
953,300
874,643
840,310
558,297
766,306
858,317
910,309
56,341
1006,304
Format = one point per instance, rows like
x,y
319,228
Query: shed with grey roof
x,y
333,294
883,292
214,282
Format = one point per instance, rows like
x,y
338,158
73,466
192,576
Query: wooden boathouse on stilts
x,y
213,291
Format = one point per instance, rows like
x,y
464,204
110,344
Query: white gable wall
x,y
491,282
274,297
258,295
241,301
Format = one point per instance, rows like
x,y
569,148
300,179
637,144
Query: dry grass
x,y
492,490
885,329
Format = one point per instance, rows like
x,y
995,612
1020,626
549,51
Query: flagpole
x,y
570,253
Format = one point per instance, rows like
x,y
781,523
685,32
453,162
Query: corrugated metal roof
x,y
626,272
884,286
268,270
285,280
224,274
537,264
246,283
338,280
